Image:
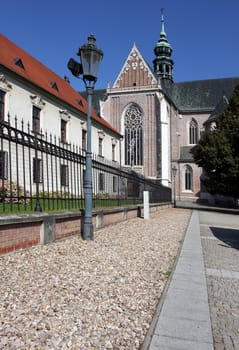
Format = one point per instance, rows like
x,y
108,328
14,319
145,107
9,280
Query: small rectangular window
x,y
64,175
2,105
36,119
3,165
101,182
115,183
63,130
83,143
37,170
100,146
113,152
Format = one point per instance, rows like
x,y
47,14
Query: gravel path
x,y
100,294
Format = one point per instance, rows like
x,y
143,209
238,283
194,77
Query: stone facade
x,y
165,129
172,117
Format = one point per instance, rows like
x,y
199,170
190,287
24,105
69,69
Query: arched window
x,y
193,132
188,178
133,126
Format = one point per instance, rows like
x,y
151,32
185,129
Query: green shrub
x,y
11,192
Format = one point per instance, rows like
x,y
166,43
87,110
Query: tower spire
x,y
163,64
162,21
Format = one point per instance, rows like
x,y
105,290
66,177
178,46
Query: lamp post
x,y
90,56
174,170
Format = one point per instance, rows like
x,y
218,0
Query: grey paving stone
x,y
187,295
184,321
181,281
221,256
193,310
165,343
187,329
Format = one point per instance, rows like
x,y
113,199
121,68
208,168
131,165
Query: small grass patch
x,y
59,204
167,273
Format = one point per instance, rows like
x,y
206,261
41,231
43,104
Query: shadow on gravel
x,y
227,235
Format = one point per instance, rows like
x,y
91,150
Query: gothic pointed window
x,y
133,125
188,176
193,132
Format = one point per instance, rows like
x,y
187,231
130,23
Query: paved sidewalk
x,y
184,322
200,307
220,243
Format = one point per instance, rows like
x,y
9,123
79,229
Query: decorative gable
x,y
135,72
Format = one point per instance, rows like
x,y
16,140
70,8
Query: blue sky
x,y
203,33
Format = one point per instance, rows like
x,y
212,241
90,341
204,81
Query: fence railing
x,y
40,173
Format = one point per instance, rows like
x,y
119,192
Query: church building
x,y
161,120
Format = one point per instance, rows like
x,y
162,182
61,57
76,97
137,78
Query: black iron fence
x,y
40,173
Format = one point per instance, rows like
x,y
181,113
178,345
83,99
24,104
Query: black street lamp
x,y
174,171
90,56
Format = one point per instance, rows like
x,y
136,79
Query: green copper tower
x,y
163,63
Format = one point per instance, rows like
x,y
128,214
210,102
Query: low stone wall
x,y
23,231
19,235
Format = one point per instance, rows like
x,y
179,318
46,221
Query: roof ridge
x,y
209,79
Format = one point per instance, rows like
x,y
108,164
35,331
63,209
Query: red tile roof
x,y
23,64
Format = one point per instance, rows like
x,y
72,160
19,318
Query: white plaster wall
x,y
165,139
19,104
